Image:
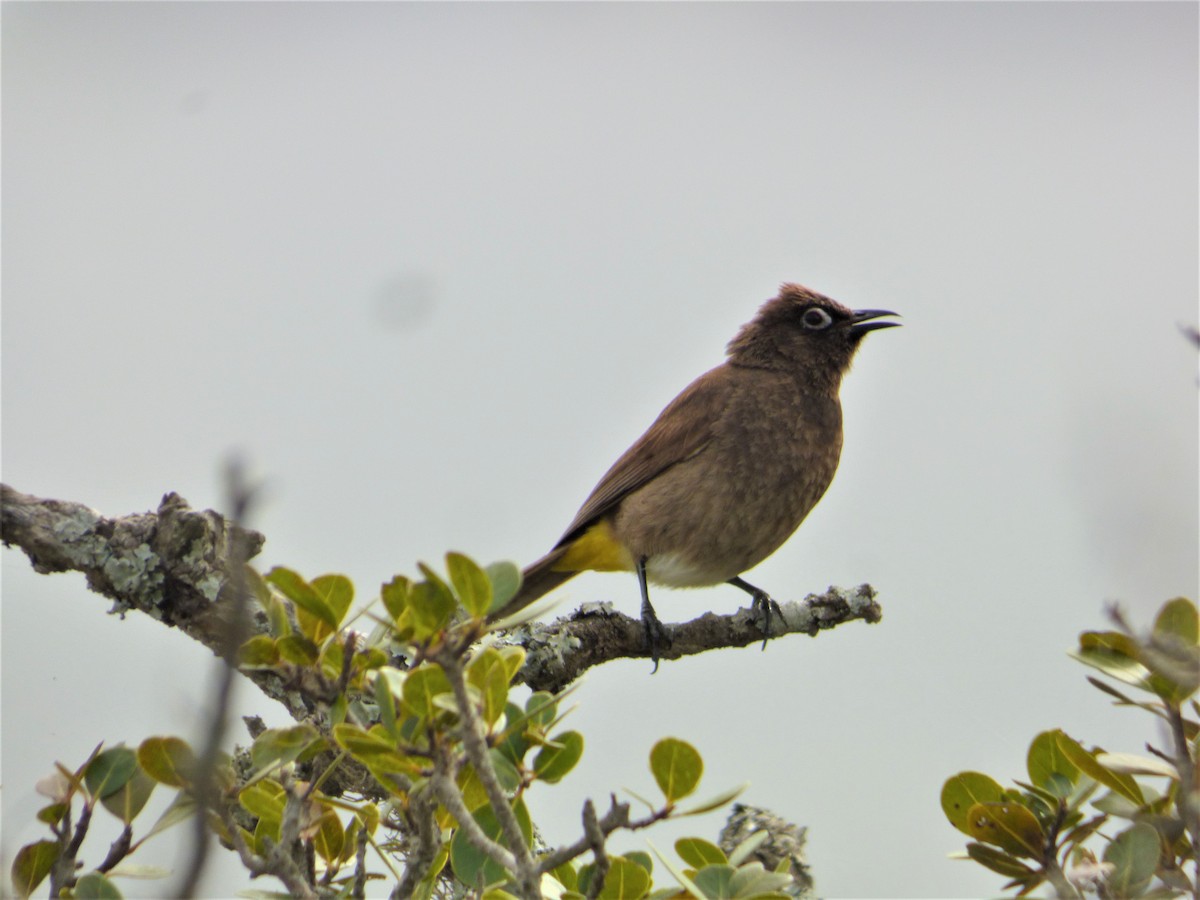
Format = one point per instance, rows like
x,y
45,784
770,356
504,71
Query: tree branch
x,y
174,565
560,652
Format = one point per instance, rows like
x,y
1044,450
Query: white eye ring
x,y
815,318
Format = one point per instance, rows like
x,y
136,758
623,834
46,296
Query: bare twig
x,y
118,850
277,863
616,818
595,839
62,875
448,793
360,866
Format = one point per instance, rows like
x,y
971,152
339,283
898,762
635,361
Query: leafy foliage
x,y
1040,832
416,755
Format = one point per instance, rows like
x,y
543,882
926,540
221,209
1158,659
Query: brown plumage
x,y
731,466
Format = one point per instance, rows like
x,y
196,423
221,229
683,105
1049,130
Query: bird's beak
x,y
861,322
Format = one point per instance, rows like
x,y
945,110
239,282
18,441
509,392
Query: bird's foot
x,y
761,604
764,605
657,636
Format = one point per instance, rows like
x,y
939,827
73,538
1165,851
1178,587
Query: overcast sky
x,y
432,267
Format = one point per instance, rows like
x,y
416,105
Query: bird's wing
x,y
681,431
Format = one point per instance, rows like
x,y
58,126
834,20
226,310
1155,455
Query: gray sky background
x,y
432,267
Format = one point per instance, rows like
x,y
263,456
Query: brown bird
x,y
728,470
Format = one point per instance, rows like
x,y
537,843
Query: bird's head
x,y
806,332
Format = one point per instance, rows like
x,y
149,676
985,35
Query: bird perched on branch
x,y
728,470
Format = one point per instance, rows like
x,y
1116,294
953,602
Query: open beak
x,y
861,322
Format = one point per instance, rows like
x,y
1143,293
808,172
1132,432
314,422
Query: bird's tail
x,y
537,580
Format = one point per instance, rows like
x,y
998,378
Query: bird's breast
x,y
728,507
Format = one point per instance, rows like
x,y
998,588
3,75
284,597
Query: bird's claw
x,y
657,636
763,604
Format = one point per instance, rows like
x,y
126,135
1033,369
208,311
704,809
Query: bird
x,y
728,470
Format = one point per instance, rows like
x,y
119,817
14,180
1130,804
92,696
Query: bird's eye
x,y
815,318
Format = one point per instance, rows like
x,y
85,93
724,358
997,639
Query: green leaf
x,y
752,880
332,656
31,865
422,687
395,596
279,746
566,876
1174,659
470,582
506,581
506,772
642,858
182,808
385,701
52,814
1008,826
168,760
559,757
131,798
676,873
1179,619
472,867
260,652
110,771
330,837
265,799
706,806
1133,764
714,881
677,767
372,748
541,708
1135,853
337,593
964,790
1046,760
304,596
514,743
514,658
742,851
147,872
432,604
1114,654
698,853
94,886
626,880
489,674
1087,763
998,861
297,649
276,610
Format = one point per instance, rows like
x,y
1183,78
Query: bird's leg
x,y
761,602
656,634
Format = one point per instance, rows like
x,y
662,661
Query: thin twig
x,y
360,865
595,838
118,850
1188,800
451,797
526,869
616,818
422,818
